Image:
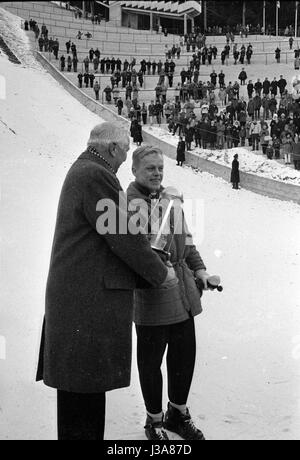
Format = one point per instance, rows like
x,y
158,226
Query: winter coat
x,y
235,173
250,107
243,75
136,131
220,129
255,128
235,133
257,102
180,152
86,339
157,307
286,144
272,104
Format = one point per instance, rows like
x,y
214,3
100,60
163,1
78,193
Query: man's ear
x,y
133,169
112,149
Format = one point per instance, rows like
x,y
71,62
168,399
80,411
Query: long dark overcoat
x,y
235,173
86,340
180,157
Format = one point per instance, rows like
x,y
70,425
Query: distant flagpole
x,y
264,16
296,20
277,11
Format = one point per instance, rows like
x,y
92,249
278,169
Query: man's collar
x,y
145,191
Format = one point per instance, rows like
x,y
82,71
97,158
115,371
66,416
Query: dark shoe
x,y
154,430
182,424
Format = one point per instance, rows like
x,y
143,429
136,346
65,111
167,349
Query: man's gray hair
x,y
142,152
104,134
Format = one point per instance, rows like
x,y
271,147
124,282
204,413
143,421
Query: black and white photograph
x,y
150,223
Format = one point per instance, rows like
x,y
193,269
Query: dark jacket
x,y
136,131
86,341
180,151
235,173
156,307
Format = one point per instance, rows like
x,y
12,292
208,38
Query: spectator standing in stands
x,y
180,157
128,92
151,112
68,46
255,130
86,63
221,78
80,79
74,50
120,106
62,63
277,55
69,64
258,86
108,92
243,77
116,95
287,140
274,87
282,85
41,44
86,79
92,79
96,63
75,63
97,90
266,86
158,111
144,113
250,89
264,138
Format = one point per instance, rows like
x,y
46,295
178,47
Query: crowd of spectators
x,y
269,121
207,114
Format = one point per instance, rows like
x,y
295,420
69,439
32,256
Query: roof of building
x,y
173,8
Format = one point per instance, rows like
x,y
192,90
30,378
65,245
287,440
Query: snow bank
x,y
249,161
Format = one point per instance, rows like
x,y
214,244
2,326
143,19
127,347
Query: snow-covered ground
x,y
247,377
250,162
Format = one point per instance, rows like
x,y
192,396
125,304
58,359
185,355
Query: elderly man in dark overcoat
x,y
86,339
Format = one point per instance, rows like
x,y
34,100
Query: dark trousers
x,y
152,342
80,417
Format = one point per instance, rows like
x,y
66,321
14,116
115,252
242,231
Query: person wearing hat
x,y
235,173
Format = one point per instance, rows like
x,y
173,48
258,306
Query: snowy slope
x,y
250,162
247,376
